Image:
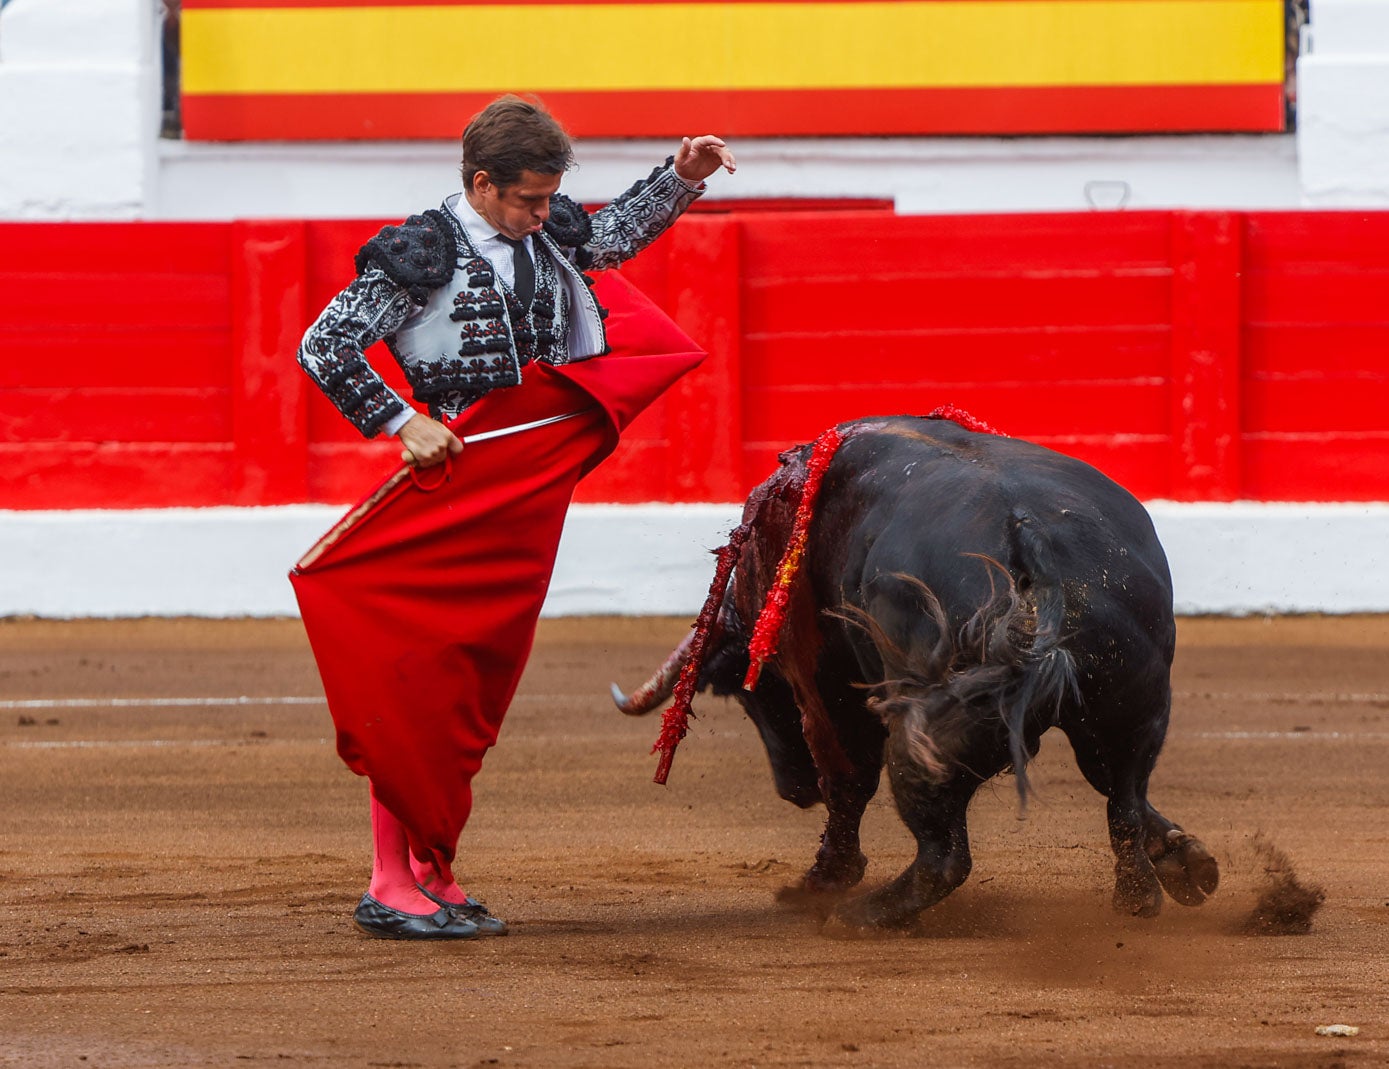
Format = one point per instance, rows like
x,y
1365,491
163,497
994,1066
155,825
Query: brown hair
x,y
512,135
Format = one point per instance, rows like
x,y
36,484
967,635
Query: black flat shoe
x,y
383,922
470,909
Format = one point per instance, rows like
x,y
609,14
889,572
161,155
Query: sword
x,y
406,472
502,432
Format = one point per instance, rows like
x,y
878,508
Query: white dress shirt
x,y
488,242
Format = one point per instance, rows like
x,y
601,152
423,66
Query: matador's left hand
x,y
699,157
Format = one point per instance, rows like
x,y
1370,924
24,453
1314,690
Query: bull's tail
x,y
1007,664
1047,671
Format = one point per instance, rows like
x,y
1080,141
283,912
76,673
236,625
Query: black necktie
x,y
524,286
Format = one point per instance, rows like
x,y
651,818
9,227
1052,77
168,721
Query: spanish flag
x,y
376,69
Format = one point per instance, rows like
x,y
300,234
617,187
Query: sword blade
x,y
502,432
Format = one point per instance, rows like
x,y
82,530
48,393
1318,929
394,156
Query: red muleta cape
x,y
421,603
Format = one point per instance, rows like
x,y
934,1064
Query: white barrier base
x,y
636,560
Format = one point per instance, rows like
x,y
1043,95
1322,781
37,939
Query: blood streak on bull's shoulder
x,y
769,622
767,631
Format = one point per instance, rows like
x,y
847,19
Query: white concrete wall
x,y
633,560
210,181
1343,105
79,117
79,108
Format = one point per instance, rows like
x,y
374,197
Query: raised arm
x,y
699,157
641,214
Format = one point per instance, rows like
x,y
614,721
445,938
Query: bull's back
x,y
929,499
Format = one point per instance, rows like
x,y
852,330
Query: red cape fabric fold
x,y
421,603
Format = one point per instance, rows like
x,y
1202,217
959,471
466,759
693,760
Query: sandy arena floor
x,y
177,876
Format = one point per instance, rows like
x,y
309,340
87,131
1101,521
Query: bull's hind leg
x,y
1151,853
936,817
933,806
1186,869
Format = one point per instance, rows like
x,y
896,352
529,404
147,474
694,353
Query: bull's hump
x,y
941,433
912,440
943,460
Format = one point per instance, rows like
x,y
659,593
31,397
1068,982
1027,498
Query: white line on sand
x,y
155,744
148,703
1363,698
149,744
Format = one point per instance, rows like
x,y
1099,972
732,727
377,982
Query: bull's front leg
x,y
848,740
840,862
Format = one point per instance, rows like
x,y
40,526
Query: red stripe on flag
x,y
1048,110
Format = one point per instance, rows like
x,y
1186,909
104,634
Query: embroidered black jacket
x,y
454,330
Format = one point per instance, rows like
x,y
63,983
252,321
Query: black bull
x,y
961,593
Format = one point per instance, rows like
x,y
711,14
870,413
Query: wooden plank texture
x,y
1191,355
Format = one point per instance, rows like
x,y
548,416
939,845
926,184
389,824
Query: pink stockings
x,y
438,882
395,872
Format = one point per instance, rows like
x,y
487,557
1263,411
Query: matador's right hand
x,y
427,442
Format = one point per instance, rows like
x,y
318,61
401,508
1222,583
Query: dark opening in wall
x,y
171,124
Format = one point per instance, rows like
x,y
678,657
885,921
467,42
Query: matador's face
x,y
518,209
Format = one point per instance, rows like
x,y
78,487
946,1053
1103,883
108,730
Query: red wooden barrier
x,y
1192,355
1205,356
1315,356
269,438
117,373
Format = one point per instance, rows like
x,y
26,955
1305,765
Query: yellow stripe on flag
x,y
664,46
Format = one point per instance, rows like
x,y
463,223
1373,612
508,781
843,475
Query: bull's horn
x,y
658,688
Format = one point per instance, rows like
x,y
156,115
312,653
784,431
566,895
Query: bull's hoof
x,y
804,896
822,883
824,880
876,913
1137,894
1186,869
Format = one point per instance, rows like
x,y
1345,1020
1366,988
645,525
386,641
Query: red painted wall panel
x,y
1315,293
99,414
1081,408
833,244
1045,326
1332,239
1315,356
1139,462
42,355
112,334
949,355
144,248
1308,350
1316,467
1201,356
913,300
1324,405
